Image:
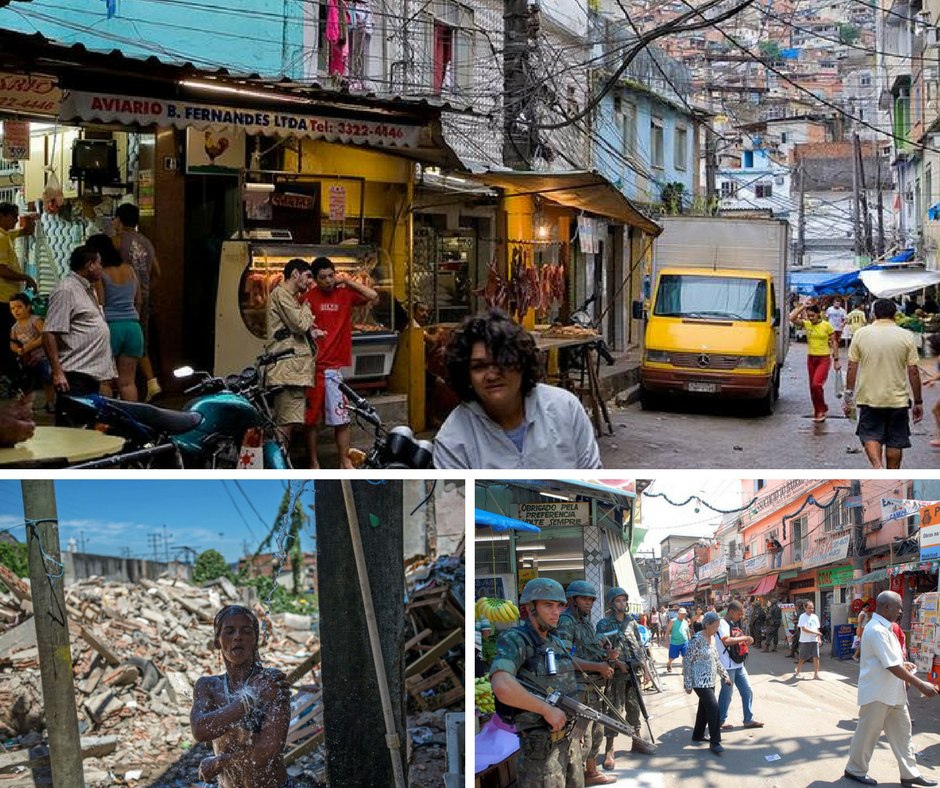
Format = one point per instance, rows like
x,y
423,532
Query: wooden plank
x,y
304,667
21,636
416,639
425,661
100,647
304,748
17,587
37,757
417,687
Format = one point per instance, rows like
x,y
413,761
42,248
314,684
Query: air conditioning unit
x,y
932,36
930,73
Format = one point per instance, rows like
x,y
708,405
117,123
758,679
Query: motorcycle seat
x,y
170,422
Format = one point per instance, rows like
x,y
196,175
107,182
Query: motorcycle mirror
x,y
183,372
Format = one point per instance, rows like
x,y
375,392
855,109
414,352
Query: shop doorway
x,y
212,207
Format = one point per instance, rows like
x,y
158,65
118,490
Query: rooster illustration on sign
x,y
215,147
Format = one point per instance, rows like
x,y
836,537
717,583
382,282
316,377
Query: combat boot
x,y
594,777
642,747
610,762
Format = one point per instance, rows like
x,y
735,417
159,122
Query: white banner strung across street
x,y
135,111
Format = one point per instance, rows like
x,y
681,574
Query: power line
x,y
229,494
238,485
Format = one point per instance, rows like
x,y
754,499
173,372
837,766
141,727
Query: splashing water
x,y
282,541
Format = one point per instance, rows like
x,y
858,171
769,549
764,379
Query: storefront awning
x,y
499,522
764,587
889,283
686,600
871,577
585,191
916,566
717,581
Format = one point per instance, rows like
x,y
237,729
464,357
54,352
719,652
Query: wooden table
x,y
589,387
554,343
60,446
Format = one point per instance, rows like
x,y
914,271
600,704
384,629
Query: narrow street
x,y
808,724
726,434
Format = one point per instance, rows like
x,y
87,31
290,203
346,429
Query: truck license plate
x,y
703,388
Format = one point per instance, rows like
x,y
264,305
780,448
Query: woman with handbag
x,y
700,669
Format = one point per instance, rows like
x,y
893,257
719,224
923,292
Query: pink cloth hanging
x,y
332,21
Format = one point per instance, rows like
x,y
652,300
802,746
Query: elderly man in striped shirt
x,y
75,335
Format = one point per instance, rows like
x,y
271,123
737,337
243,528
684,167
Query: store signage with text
x,y
15,140
133,111
930,531
29,93
711,569
682,574
827,550
755,563
895,508
555,515
837,576
337,203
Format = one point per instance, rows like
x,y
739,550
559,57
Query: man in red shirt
x,y
332,302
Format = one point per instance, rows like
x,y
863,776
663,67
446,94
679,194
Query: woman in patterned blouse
x,y
700,668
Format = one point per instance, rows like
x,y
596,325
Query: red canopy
x,y
764,587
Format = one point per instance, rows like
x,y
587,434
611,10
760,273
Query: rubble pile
x,y
137,650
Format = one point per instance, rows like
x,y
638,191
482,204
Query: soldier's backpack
x,y
737,651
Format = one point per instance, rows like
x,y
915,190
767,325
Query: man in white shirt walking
x,y
809,638
882,699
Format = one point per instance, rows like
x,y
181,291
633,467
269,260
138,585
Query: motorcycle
x,y
394,448
228,424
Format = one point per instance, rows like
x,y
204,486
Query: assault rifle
x,y
631,672
583,715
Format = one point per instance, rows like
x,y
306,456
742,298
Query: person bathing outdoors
x,y
245,712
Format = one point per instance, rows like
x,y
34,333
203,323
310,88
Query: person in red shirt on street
x,y
332,302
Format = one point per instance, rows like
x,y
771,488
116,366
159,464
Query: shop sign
x,y
337,203
294,202
135,111
711,569
895,508
930,531
834,577
213,152
682,574
827,550
30,93
555,515
15,140
755,563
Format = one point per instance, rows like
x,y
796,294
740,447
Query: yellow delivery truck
x,y
716,319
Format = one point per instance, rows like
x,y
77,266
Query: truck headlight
x,y
658,356
752,362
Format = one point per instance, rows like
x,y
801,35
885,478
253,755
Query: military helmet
x,y
542,588
613,593
581,588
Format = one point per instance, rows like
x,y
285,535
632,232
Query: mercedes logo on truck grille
x,y
704,360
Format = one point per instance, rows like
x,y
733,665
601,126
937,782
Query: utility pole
x,y
881,215
154,540
166,543
82,534
858,541
52,632
711,166
863,197
856,215
517,134
801,227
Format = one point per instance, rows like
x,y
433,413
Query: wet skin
x,y
242,759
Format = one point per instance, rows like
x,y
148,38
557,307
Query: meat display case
x,y
248,271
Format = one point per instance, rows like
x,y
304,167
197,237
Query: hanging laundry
x,y
332,21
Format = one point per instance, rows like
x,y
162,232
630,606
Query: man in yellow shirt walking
x,y
820,349
884,359
12,278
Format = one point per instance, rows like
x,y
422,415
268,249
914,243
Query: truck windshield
x,y
711,297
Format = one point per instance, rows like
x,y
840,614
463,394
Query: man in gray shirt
x,y
75,335
507,419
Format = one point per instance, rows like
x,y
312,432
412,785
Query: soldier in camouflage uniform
x,y
548,757
620,689
590,656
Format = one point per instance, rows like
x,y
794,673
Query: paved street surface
x,y
701,434
808,723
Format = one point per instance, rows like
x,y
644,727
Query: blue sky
x,y
117,513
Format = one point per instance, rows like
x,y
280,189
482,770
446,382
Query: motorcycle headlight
x,y
658,356
752,362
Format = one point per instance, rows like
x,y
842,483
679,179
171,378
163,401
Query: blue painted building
x,y
646,141
267,37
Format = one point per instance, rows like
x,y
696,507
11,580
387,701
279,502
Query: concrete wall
x,y
79,566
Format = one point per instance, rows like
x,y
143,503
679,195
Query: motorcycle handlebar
x,y
269,358
353,397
